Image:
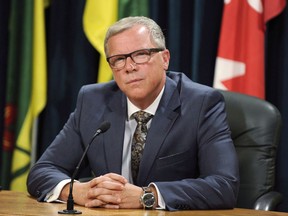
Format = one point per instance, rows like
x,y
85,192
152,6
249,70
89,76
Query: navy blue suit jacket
x,y
188,154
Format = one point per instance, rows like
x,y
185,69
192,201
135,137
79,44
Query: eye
x,y
120,58
117,59
141,53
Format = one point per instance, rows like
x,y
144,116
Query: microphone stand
x,y
70,202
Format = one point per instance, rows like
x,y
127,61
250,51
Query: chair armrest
x,y
268,201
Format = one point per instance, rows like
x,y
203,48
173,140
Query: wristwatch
x,y
147,199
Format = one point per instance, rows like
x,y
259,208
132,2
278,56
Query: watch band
x,y
147,190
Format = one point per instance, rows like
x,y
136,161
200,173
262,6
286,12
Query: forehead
x,y
137,37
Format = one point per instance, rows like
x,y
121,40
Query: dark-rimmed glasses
x,y
139,57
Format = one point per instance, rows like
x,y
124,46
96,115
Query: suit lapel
x,y
114,139
161,124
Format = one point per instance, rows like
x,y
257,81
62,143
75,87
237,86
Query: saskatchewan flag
x,y
26,89
99,15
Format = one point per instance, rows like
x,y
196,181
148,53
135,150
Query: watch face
x,y
148,200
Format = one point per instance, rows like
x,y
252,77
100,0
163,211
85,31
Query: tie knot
x,y
142,117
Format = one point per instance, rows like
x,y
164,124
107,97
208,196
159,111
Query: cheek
x,y
117,75
154,80
118,80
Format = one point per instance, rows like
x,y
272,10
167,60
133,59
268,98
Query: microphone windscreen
x,y
104,126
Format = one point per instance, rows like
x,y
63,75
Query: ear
x,y
166,58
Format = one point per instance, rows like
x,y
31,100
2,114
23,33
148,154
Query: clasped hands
x,y
108,191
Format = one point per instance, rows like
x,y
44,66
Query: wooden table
x,y
18,203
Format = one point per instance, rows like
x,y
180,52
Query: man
x,y
188,161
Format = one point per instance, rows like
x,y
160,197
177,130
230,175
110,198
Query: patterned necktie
x,y
138,141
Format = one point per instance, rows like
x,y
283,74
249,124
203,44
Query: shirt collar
x,y
131,108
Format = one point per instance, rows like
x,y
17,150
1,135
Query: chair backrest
x,y
255,125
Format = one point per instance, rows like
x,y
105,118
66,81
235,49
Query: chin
x,y
137,96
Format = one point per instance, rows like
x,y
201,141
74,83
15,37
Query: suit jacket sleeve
x,y
53,166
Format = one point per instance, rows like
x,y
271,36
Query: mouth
x,y
134,81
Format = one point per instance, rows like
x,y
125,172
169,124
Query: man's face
x,y
140,82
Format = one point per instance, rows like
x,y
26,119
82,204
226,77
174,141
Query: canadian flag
x,y
240,59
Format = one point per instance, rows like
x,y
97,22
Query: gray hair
x,y
154,29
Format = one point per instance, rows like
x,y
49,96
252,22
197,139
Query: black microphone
x,y
70,202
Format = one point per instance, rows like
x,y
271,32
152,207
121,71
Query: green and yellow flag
x,y
26,88
36,100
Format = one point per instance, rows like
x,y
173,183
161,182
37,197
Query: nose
x,y
133,66
130,65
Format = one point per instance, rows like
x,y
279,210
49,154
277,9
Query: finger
x,y
117,177
110,185
104,188
110,206
95,181
110,199
95,192
103,200
112,177
94,203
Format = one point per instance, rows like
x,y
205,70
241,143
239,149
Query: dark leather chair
x,y
255,125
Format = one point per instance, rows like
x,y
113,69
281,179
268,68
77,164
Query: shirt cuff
x,y
54,194
161,202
